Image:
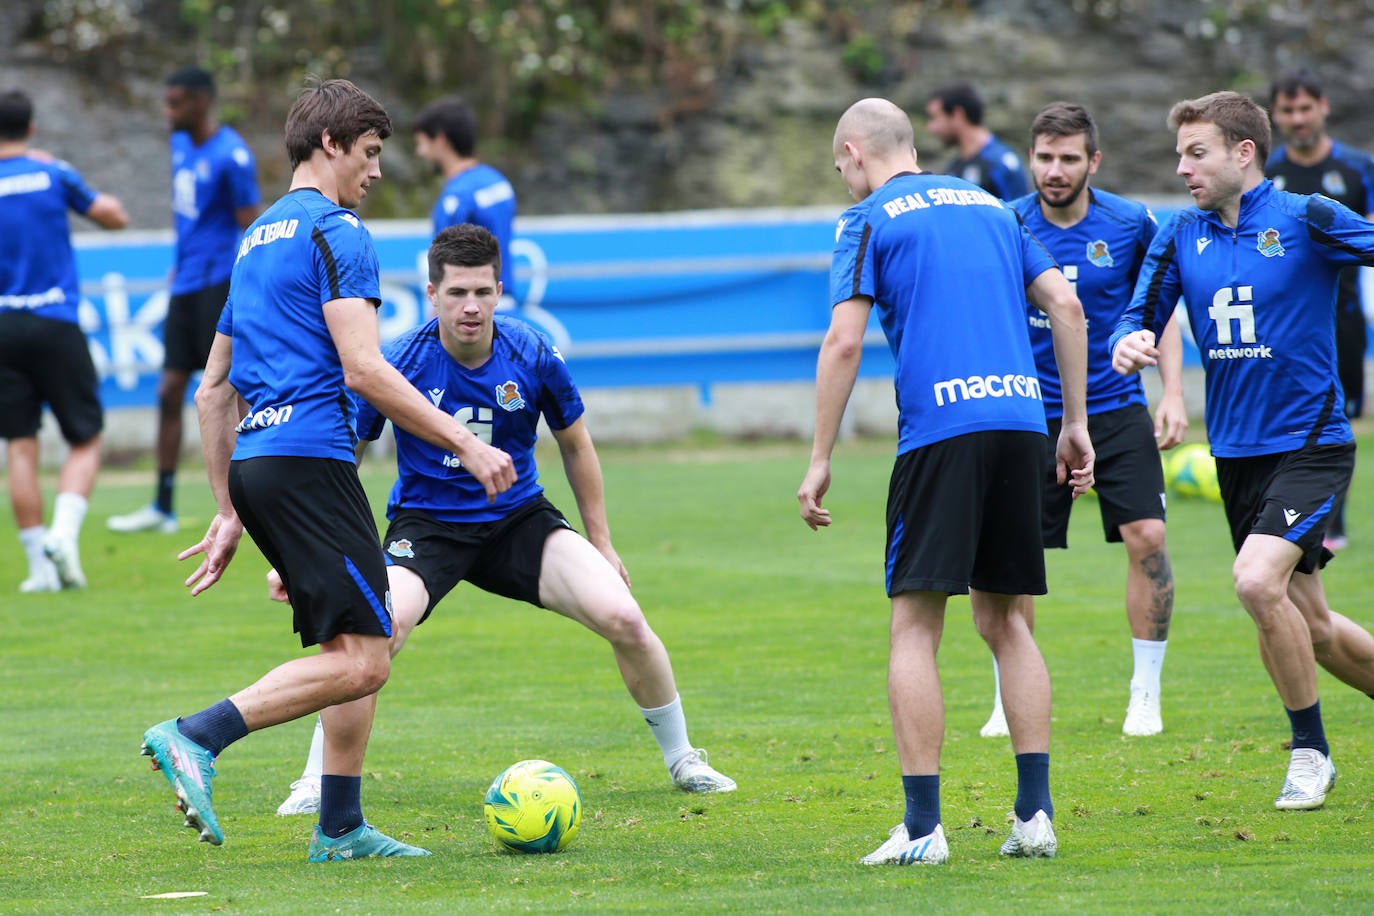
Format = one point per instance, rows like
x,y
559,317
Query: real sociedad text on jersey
x,y
268,232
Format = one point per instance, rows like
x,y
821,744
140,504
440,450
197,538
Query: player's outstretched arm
x,y
353,326
837,367
583,469
218,407
1171,416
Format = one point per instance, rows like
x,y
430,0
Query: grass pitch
x,y
778,637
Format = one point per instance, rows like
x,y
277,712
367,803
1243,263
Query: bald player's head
x,y
877,127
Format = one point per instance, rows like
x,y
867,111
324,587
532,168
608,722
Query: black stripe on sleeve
x,y
1320,218
1166,258
331,268
859,261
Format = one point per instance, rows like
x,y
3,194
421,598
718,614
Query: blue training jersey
x,y
302,252
209,183
1347,177
1100,255
483,196
37,263
996,169
1261,304
500,401
947,266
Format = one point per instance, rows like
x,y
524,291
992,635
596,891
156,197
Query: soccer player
x,y
1310,162
949,267
474,192
214,198
1257,268
297,334
954,115
499,376
1099,241
44,357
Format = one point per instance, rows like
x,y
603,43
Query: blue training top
x,y
483,196
996,169
302,252
947,266
1261,304
500,401
1100,255
37,263
209,183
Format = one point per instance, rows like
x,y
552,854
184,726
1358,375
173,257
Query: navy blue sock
x,y
1307,728
214,728
166,482
341,805
1033,786
922,804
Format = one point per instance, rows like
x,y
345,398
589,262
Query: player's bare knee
x,y
624,626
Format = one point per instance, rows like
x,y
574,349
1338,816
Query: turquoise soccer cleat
x,y
189,768
365,842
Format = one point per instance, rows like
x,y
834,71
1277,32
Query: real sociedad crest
x,y
1100,254
509,397
1269,244
1333,183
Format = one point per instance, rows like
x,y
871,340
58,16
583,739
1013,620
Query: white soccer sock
x,y
68,514
1149,661
314,762
32,539
669,728
996,687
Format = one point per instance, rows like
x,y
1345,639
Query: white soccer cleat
x,y
1142,715
1311,774
304,797
900,849
692,773
66,558
42,579
149,518
1032,839
996,726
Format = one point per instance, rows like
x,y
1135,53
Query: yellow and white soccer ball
x,y
1191,473
533,806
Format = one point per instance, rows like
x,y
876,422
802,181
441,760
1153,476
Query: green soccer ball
x,y
533,806
1191,473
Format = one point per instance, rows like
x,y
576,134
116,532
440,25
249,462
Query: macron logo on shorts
x,y
1290,516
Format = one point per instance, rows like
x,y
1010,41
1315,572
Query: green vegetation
x,y
778,637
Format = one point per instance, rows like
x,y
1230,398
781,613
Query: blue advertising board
x,y
636,300
690,298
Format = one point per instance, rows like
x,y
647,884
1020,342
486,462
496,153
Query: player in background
x,y
1257,268
949,267
297,334
44,357
1310,162
954,116
499,376
1099,241
474,192
214,198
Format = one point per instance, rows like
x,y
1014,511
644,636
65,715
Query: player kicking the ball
x,y
498,376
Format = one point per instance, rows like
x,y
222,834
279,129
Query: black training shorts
x,y
311,520
44,361
965,512
1128,473
503,557
1288,495
189,330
